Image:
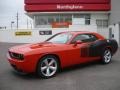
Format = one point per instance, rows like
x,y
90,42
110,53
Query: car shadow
x,y
86,65
32,76
65,70
24,75
80,66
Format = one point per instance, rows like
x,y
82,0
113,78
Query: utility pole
x,y
17,18
12,22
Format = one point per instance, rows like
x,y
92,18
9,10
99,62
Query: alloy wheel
x,y
48,67
107,56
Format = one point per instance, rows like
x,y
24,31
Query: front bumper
x,y
26,65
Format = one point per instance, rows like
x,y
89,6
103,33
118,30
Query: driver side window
x,y
85,38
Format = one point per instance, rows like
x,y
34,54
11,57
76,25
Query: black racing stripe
x,y
96,48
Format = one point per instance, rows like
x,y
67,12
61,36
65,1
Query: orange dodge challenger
x,y
61,50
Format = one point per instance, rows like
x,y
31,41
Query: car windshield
x,y
60,38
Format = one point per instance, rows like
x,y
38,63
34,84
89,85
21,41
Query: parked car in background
x,y
61,50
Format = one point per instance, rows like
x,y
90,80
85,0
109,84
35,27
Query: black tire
x,y
48,66
106,56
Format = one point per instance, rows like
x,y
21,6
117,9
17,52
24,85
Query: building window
x,y
87,17
48,20
102,23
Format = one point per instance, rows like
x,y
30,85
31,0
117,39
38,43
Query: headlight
x,y
16,56
21,56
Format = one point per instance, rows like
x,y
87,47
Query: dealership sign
x,y
23,33
70,7
60,25
49,32
67,7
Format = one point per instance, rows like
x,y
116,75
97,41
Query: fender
x,y
97,48
114,45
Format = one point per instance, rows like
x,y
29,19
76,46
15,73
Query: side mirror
x,y
77,42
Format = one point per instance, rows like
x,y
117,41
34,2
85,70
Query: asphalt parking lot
x,y
93,76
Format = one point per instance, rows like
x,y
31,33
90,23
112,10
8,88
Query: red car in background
x,y
61,50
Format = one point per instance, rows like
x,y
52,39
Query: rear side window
x,y
85,38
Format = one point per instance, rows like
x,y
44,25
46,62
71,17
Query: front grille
x,y
16,56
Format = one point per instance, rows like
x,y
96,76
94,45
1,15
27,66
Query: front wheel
x,y
47,66
107,56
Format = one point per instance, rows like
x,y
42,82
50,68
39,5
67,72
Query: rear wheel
x,y
48,66
106,57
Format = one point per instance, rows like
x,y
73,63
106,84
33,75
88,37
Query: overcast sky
x,y
8,13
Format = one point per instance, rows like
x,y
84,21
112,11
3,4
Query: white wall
x,y
9,35
116,32
96,16
102,31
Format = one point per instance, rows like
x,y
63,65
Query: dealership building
x,y
69,15
54,16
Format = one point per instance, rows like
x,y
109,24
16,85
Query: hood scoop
x,y
40,45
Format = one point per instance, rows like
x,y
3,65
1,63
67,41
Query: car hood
x,y
33,47
41,45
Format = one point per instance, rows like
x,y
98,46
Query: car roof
x,y
78,32
84,32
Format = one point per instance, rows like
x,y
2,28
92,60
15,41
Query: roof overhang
x,y
32,14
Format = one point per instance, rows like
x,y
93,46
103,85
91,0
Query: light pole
x,y
17,18
31,24
12,22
